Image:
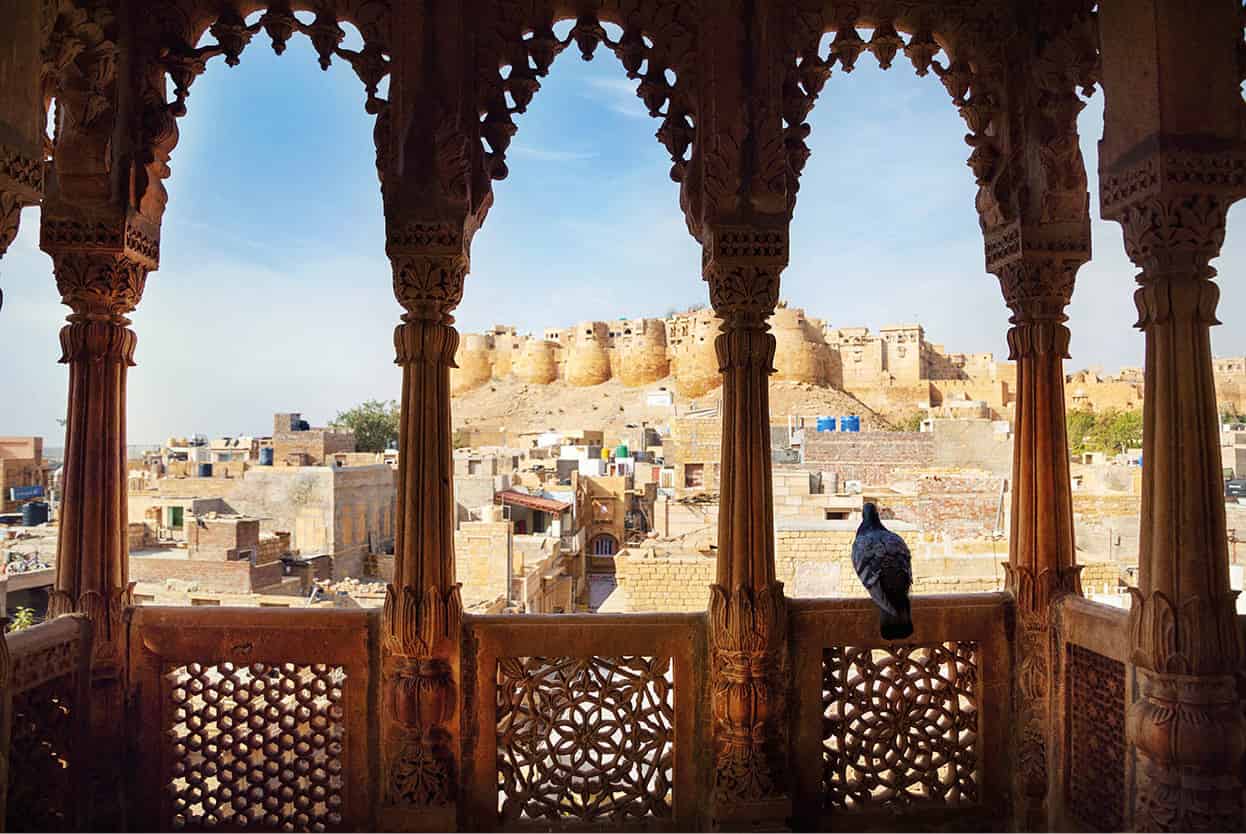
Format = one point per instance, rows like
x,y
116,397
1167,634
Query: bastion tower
x,y
797,357
536,364
475,363
588,359
642,353
692,352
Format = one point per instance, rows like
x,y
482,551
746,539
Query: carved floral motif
x,y
900,726
1174,232
1096,709
105,609
585,740
748,632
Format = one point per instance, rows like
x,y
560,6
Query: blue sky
x,y
274,291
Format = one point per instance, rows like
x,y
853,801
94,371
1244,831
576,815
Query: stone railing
x,y
584,721
1091,704
917,729
44,724
271,718
257,718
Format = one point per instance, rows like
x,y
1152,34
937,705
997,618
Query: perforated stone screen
x,y
900,726
256,746
583,740
1096,707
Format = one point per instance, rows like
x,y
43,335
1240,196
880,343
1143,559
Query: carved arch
x,y
656,37
167,48
975,76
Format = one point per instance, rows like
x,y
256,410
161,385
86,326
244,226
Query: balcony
x,y
273,720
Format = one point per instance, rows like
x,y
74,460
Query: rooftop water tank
x,y
850,423
621,451
826,424
34,513
205,470
266,456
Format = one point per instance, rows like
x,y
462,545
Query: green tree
x,y
374,422
1116,431
1079,424
22,618
911,421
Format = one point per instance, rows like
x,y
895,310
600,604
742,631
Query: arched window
x,y
605,545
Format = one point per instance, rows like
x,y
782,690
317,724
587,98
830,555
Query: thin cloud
x,y
619,94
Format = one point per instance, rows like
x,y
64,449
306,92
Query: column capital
x,y
430,264
742,265
1174,233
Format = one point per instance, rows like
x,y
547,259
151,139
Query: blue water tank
x,y
205,470
34,513
850,422
826,424
266,456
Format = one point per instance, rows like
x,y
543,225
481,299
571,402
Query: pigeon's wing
x,y
867,557
882,561
896,570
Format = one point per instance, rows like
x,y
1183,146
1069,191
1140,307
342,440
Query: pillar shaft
x,y
748,613
1187,725
92,570
1040,565
422,606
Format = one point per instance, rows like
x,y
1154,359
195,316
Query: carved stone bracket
x,y
132,239
1175,233
748,630
1173,166
1193,636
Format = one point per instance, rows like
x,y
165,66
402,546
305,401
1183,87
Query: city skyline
x,y
274,291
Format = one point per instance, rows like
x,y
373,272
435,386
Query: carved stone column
x,y
1187,725
748,614
101,285
1040,567
422,607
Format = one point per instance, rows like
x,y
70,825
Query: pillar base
x,y
1189,738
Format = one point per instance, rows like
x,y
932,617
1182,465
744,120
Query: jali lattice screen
x,y
900,726
585,739
256,746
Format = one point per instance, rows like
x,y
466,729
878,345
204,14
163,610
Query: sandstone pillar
x,y
92,572
1187,725
422,606
1170,165
748,615
1040,567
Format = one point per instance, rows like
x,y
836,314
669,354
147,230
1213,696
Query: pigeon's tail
x,y
896,626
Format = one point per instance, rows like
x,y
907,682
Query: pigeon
x,y
883,563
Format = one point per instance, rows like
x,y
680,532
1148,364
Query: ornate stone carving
x,y
106,612
257,746
585,740
1037,591
973,78
1193,636
421,700
10,217
1188,735
1096,710
24,172
1173,171
748,632
1174,233
900,727
430,286
95,285
46,753
416,624
657,39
